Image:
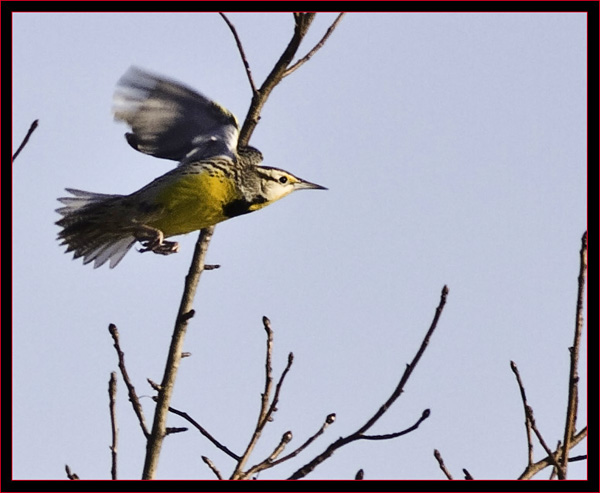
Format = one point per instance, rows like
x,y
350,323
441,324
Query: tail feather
x,y
92,227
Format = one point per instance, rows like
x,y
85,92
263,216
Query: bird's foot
x,y
164,248
152,240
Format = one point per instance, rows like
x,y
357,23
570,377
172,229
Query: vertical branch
x,y
166,390
112,395
264,404
515,370
133,398
574,350
302,23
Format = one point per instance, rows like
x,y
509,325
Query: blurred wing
x,y
169,120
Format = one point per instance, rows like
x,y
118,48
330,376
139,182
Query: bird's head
x,y
276,183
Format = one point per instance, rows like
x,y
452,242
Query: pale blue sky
x,y
453,147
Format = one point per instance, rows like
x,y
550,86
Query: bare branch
x,y
213,468
532,470
154,386
268,462
302,23
174,356
540,438
316,48
329,420
438,457
169,430
112,399
70,475
411,366
515,370
202,430
265,409
238,42
389,436
133,398
32,128
357,435
467,475
360,474
273,406
574,350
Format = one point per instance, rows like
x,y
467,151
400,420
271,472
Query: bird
x,y
215,179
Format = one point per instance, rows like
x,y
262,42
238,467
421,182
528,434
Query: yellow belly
x,y
192,202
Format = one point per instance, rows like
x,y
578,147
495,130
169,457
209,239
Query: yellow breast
x,y
193,201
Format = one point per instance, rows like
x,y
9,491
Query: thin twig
x,y
267,463
32,128
360,474
154,386
133,398
357,435
316,48
540,438
303,21
264,407
574,350
263,415
71,475
467,475
202,430
438,457
112,400
273,406
238,42
170,430
174,356
328,420
411,366
515,370
212,467
532,470
389,436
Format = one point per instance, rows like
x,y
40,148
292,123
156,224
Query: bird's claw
x,y
152,240
164,248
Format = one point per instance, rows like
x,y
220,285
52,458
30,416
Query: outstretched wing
x,y
169,120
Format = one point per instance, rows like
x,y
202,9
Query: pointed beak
x,y
306,185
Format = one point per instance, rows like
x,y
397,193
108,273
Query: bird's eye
x,y
283,179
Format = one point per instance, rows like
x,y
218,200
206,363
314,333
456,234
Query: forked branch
x,y
574,352
267,406
360,433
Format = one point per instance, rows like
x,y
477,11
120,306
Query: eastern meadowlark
x,y
214,180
